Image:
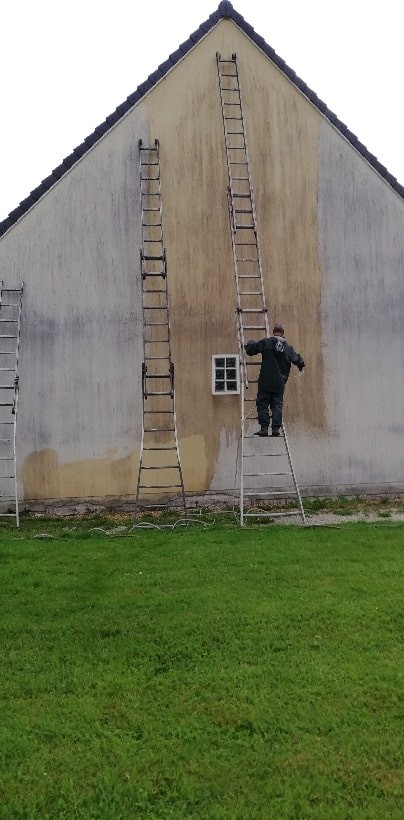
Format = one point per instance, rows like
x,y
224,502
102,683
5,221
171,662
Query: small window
x,y
225,375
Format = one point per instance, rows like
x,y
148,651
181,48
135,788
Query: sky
x,y
65,66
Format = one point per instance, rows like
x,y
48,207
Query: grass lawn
x,y
207,673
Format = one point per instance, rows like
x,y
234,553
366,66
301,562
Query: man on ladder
x,y
277,357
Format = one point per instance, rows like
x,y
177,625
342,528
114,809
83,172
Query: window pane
x,y
219,362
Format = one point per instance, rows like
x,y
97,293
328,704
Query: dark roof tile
x,y
184,47
224,10
142,88
133,98
58,172
103,127
164,67
206,26
91,140
69,161
80,150
175,56
113,118
155,76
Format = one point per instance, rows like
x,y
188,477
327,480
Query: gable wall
x,y
78,251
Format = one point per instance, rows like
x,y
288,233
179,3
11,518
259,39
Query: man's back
x,y
277,357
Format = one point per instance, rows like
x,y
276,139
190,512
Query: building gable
x,y
225,10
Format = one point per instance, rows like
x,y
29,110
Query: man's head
x,y
278,329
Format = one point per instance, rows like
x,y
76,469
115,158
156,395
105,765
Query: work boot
x,y
263,432
275,431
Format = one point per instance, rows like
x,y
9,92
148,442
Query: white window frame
x,y
225,391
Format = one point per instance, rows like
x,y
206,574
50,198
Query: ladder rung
x,y
161,466
158,486
157,376
161,448
159,430
149,258
252,310
261,455
271,514
158,393
267,493
253,475
7,336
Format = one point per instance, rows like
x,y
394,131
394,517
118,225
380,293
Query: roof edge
x,y
225,10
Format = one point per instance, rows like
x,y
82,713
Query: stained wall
x,y
331,244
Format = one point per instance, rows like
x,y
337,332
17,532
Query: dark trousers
x,y
266,399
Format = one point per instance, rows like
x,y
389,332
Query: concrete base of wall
x,y
95,506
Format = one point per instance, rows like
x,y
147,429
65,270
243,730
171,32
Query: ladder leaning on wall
x,y
266,470
10,331
160,481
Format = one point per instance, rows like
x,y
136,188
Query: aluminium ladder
x,y
266,470
10,331
160,480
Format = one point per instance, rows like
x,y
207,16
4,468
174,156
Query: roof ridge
x,y
225,10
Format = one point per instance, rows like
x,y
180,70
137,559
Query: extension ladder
x,y
10,331
266,470
160,481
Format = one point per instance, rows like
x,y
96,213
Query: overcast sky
x,y
66,65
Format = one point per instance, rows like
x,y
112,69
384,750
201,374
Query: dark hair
x,y
278,327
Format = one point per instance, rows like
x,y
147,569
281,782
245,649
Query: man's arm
x,y
253,348
296,358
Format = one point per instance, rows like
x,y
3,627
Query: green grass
x,y
206,673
